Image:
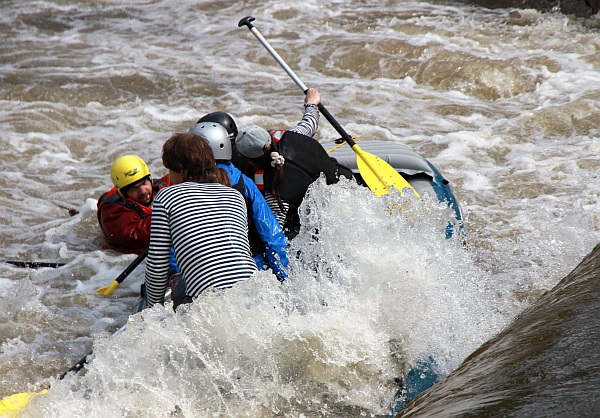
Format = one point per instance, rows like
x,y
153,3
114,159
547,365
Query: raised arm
x,y
310,121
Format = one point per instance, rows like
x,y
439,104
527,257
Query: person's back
x,y
267,240
203,220
290,162
206,223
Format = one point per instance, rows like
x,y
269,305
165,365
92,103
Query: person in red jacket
x,y
124,212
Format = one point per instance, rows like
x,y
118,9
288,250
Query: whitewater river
x,y
505,104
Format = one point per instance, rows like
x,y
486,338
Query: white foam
x,y
523,164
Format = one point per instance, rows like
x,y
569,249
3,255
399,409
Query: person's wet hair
x,y
190,155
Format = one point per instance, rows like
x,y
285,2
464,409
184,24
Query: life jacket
x,y
113,198
305,160
257,245
117,229
259,179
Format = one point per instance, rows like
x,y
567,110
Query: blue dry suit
x,y
264,222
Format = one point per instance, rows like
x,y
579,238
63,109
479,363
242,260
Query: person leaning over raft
x,y
267,241
203,219
124,212
291,161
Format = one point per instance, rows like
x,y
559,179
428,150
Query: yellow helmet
x,y
127,170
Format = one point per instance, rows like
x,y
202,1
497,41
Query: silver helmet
x,y
223,119
216,136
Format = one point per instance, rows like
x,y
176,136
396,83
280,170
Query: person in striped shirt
x,y
204,221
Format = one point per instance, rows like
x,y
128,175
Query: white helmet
x,y
216,136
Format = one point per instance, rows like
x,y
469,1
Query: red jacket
x,y
125,223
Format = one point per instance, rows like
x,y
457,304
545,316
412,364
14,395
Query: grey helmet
x,y
223,119
216,136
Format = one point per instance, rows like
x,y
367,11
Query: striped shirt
x,y
310,122
206,223
274,205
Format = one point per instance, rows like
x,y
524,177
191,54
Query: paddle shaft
x,y
51,264
33,264
79,365
132,266
247,21
377,174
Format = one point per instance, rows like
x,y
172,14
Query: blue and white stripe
x,y
206,223
310,122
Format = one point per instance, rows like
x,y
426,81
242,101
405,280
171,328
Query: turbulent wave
x,y
545,363
504,104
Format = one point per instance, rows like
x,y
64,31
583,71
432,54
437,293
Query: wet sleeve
x,y
310,122
269,230
159,256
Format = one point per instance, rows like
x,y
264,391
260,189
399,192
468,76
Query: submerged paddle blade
x,y
379,175
108,290
13,403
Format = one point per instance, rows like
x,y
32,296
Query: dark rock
x,y
579,8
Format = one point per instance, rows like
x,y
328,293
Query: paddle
x,y
19,400
11,404
33,264
377,174
15,402
108,290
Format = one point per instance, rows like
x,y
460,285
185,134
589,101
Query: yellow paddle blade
x,y
108,290
13,403
379,175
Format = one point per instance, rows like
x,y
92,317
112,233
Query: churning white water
x,y
504,104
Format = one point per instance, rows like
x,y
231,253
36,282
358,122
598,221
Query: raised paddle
x,y
108,290
377,174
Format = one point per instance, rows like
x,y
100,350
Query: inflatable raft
x,y
415,169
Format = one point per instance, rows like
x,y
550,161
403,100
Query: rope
x,y
341,145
